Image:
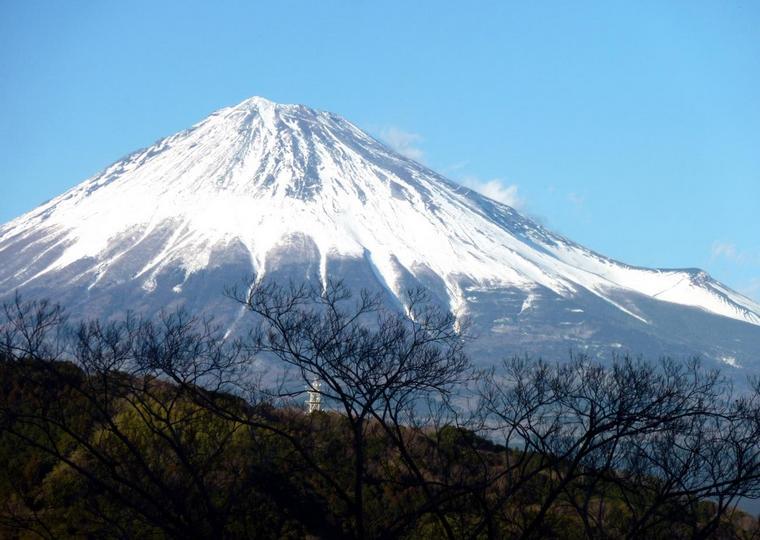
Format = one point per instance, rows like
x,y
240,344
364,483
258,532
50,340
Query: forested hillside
x,y
160,429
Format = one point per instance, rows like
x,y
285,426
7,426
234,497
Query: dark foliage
x,y
139,428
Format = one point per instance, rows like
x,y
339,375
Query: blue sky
x,y
631,127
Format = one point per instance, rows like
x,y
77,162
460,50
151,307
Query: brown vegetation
x,y
165,429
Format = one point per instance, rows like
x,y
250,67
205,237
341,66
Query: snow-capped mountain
x,y
285,191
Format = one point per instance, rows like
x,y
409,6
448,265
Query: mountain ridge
x,y
268,189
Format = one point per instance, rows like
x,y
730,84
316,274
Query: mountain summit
x,y
285,191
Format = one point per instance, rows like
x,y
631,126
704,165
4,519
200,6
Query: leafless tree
x,y
169,425
119,386
378,366
650,442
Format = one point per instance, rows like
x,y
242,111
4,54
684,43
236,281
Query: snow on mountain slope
x,y
259,172
251,183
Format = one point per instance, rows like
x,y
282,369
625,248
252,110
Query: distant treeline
x,y
165,429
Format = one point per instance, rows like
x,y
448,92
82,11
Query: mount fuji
x,y
288,192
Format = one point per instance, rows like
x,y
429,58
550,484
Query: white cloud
x,y
576,200
458,166
725,250
752,289
495,189
747,259
405,143
730,252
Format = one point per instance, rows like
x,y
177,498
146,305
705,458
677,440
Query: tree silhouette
x,y
169,428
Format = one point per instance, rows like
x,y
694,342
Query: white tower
x,y
314,401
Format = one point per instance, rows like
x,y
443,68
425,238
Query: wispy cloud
x,y
747,260
729,251
576,200
405,143
458,166
725,250
496,189
752,289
